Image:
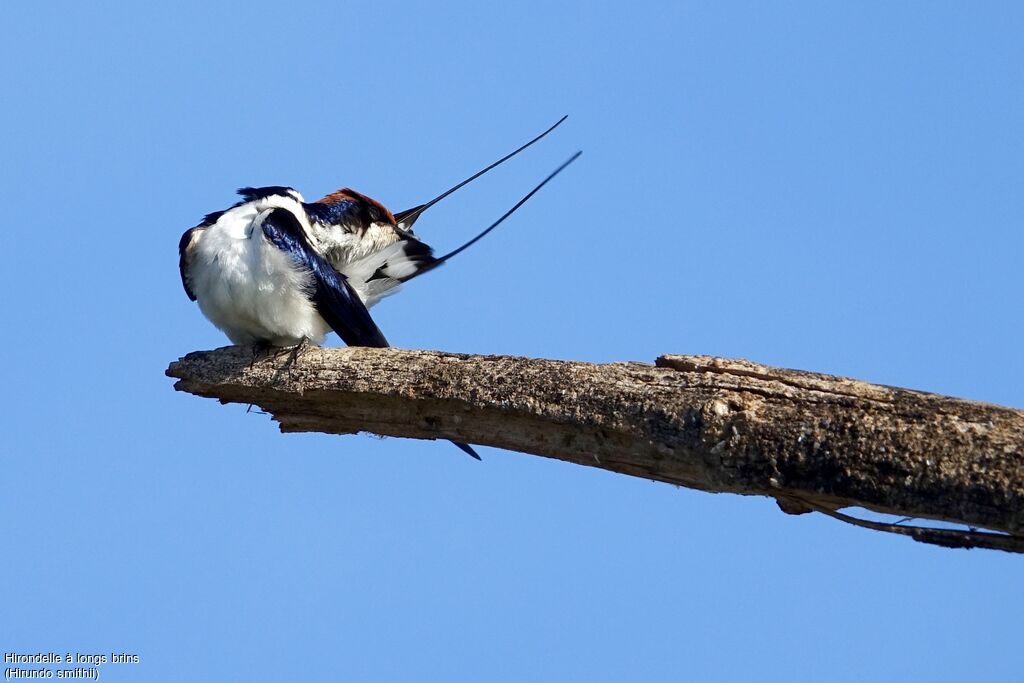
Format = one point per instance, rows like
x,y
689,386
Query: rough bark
x,y
811,441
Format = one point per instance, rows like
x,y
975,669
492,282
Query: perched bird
x,y
252,268
276,271
257,277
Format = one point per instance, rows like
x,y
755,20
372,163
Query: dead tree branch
x,y
813,442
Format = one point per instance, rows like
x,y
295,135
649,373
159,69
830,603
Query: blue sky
x,y
819,185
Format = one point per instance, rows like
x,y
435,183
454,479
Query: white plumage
x,y
247,287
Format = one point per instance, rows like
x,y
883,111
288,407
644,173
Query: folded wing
x,y
335,300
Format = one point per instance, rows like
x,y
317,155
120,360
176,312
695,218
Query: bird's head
x,y
350,210
347,225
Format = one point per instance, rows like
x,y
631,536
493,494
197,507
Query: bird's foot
x,y
294,353
260,350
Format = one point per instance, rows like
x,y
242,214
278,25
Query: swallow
x,y
276,271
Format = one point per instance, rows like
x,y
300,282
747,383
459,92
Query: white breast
x,y
247,287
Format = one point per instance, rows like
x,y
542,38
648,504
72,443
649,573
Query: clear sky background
x,y
820,185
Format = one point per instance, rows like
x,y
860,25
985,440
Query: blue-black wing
x,y
335,300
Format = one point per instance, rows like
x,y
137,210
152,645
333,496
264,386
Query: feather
x,y
335,300
184,254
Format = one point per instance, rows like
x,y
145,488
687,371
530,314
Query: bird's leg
x,y
295,353
260,348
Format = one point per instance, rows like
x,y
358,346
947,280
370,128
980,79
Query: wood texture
x,y
811,441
